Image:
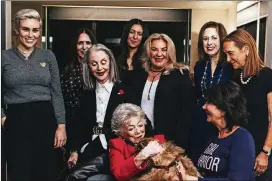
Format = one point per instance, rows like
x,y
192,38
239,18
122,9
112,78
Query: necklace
x,y
26,55
242,81
154,76
203,80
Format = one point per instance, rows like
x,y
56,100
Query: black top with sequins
x,y
72,84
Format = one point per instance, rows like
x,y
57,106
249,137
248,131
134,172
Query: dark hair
x,y
229,98
122,60
73,48
253,62
222,34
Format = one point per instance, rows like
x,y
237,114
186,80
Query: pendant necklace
x,y
154,76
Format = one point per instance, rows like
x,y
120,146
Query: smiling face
x,y
29,33
214,115
83,44
135,130
99,64
211,42
235,56
135,36
158,54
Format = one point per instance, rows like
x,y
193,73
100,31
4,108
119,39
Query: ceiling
x,y
162,4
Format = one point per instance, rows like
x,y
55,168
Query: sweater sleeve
x,y
55,89
241,160
122,168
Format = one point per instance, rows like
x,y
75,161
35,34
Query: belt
x,y
98,130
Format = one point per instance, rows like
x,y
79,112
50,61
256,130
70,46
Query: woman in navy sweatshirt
x,y
231,154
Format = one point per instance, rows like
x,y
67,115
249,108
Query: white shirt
x,y
148,105
103,92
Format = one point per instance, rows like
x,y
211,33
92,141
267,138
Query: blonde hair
x,y
171,51
25,14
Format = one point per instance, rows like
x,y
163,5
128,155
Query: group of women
x,y
112,104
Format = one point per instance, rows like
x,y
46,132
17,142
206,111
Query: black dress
x,y
72,88
256,91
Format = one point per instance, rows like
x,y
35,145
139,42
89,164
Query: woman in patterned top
x,y
71,78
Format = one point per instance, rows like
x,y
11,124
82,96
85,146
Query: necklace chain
x,y
242,81
154,76
24,53
204,77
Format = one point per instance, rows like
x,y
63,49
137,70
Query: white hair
x,y
122,115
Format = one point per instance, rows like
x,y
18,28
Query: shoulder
x,y
47,53
160,138
199,64
116,142
266,71
181,76
5,54
242,135
265,76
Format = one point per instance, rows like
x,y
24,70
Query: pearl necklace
x,y
242,81
203,81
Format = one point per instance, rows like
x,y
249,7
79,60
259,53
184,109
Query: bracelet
x,y
73,151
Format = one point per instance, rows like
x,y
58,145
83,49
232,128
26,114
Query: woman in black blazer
x,y
103,93
164,90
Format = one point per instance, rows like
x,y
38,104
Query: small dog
x,y
165,166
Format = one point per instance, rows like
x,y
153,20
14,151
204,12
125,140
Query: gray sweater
x,y
33,79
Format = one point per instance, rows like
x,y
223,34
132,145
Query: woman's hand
x,y
60,136
153,148
72,159
3,121
185,176
261,163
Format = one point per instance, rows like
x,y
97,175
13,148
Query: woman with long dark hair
x,y
134,34
72,79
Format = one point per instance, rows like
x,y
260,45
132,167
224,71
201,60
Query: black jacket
x,y
86,120
173,106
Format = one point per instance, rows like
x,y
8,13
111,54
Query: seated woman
x,y
128,122
230,155
103,93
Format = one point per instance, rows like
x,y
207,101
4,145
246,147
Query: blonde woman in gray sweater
x,y
34,121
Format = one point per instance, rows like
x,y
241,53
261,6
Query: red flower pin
x,y
121,92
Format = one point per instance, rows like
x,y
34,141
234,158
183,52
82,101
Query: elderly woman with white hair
x,y
103,92
128,122
34,121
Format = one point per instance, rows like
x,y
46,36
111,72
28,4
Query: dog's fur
x,y
170,153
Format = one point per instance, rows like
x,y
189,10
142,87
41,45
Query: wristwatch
x,y
268,153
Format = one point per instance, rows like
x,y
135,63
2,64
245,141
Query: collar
x,y
107,85
16,50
